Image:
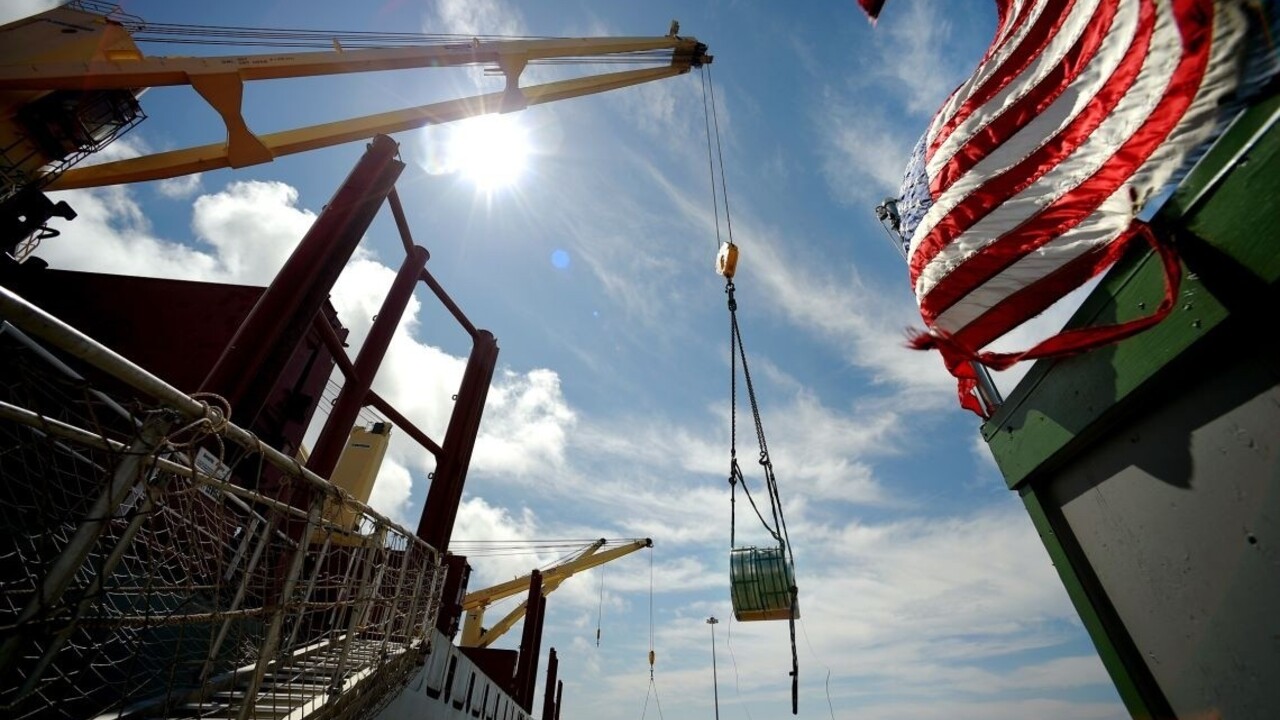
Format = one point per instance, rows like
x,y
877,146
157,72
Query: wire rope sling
x,y
762,579
762,582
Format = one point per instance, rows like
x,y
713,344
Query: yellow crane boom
x,y
53,64
475,603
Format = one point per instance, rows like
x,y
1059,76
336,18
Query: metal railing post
x,y
358,608
270,642
241,590
311,585
988,393
394,604
344,593
410,625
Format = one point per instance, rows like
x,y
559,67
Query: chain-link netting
x,y
149,566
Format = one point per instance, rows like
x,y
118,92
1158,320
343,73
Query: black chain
x,y
734,471
736,351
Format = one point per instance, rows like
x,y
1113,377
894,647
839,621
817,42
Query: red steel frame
x,y
252,362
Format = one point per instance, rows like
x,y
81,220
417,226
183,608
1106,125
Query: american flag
x,y
872,8
1030,178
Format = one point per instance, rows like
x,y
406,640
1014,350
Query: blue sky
x,y
925,592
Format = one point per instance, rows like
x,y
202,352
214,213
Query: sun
x,y
491,151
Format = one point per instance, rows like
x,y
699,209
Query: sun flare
x,y
490,151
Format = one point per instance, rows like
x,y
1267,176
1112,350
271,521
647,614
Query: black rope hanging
x,y
726,265
778,530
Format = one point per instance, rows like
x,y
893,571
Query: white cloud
x,y
253,227
661,111
1064,672
818,451
527,425
654,280
526,421
479,520
475,17
179,188
112,235
391,490
122,148
866,319
910,65
915,605
992,710
243,235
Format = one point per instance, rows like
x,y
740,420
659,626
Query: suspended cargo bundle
x,y
761,580
761,583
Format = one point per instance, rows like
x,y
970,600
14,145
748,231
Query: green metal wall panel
x,y
1126,457
1228,242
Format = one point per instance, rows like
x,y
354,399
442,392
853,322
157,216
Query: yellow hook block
x,y
727,260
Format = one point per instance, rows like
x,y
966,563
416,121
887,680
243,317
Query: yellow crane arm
x,y
500,628
220,81
245,149
475,603
136,71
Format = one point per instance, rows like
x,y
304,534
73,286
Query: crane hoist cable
x,y
600,608
726,265
653,685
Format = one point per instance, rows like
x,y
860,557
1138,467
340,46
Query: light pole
x,y
715,683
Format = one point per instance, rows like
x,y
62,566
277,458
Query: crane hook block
x,y
727,260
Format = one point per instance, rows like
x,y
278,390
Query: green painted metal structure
x,y
1151,468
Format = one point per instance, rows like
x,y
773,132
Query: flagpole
x,y
988,393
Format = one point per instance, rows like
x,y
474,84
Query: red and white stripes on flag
x,y
1037,166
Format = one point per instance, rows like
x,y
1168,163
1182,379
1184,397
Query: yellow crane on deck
x,y
475,603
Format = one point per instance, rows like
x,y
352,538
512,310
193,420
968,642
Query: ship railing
x,y
158,560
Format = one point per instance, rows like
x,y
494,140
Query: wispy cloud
x,y
910,66
475,17
865,150
914,56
